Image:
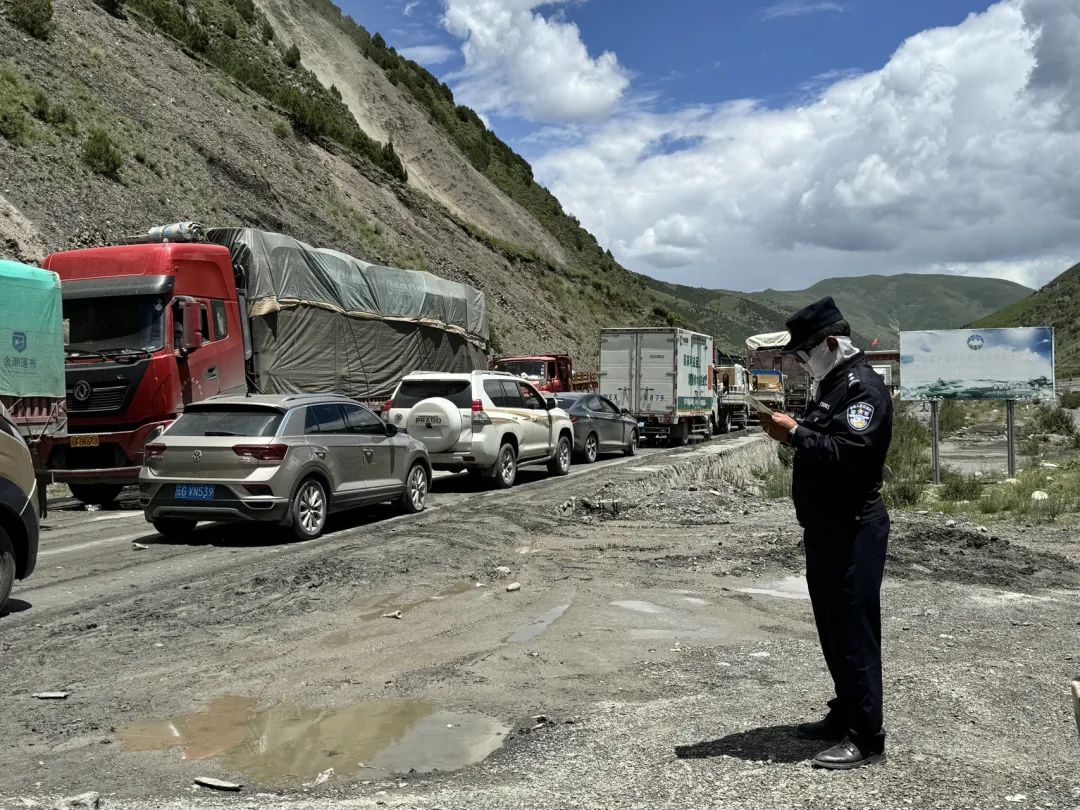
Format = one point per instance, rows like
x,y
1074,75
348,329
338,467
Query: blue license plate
x,y
194,492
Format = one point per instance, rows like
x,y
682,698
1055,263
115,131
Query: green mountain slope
x,y
875,306
1058,305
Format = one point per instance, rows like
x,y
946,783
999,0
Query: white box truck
x,y
663,377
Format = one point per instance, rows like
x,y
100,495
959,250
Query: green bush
x,y
246,10
950,416
956,486
59,116
228,28
777,483
1070,399
39,106
282,129
14,125
292,56
31,16
267,32
113,7
173,20
902,492
102,155
1052,419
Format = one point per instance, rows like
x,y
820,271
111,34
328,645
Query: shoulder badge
x,y
859,416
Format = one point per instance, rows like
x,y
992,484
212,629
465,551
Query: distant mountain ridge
x,y
877,307
1057,305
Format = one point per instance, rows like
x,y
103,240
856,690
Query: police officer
x,y
840,446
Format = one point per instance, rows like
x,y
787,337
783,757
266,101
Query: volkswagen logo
x,y
82,391
196,455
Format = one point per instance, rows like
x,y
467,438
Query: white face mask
x,y
819,361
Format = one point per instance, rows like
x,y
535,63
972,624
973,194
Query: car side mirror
x,y
391,430
625,411
193,336
549,405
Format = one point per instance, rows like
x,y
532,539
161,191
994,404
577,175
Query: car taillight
x,y
574,419
262,452
153,450
478,406
387,406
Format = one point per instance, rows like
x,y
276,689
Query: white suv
x,y
487,422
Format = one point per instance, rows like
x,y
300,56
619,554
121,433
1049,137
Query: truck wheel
x,y
560,464
506,467
309,510
7,567
417,486
174,528
677,437
592,447
95,494
725,422
631,446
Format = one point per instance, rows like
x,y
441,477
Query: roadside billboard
x,y
978,364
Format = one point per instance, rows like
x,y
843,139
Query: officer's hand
x,y
779,426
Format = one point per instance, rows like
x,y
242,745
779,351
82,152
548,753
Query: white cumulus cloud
x,y
517,60
961,154
429,54
799,8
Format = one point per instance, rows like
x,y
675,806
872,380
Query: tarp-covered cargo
x,y
325,321
31,332
769,340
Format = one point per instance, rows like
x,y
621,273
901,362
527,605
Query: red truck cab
x,y
149,328
551,372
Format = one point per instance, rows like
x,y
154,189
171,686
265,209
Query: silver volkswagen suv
x,y
289,459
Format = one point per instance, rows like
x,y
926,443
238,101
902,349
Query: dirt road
x,y
656,653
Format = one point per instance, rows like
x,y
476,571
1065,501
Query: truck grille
x,y
102,398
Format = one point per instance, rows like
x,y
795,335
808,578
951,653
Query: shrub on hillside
x,y
1052,419
102,155
39,105
113,7
956,486
1070,399
229,27
31,16
14,125
292,56
246,10
267,32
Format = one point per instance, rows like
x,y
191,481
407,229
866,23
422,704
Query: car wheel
x,y
95,494
7,567
592,447
560,464
174,528
309,510
417,485
631,446
506,467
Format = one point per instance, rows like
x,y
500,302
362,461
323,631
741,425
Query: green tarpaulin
x,y
31,332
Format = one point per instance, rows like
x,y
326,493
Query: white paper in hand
x,y
757,404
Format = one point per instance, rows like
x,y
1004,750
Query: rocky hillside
x,y
288,116
1058,305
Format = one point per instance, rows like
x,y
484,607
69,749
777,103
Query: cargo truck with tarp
x,y
181,314
781,380
662,377
32,384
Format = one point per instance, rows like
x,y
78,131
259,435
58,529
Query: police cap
x,y
809,326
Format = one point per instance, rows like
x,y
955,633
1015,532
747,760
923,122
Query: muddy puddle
x,y
292,745
786,588
538,627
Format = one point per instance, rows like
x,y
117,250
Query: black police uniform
x,y
840,449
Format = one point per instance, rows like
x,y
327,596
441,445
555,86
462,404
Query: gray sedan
x,y
599,425
288,459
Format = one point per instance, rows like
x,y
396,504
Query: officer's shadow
x,y
776,743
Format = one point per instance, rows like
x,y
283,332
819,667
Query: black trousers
x,y
844,568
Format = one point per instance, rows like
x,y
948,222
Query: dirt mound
x,y
971,556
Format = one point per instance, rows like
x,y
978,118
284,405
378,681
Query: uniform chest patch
x,y
859,415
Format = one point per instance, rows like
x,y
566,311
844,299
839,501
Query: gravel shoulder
x,y
656,655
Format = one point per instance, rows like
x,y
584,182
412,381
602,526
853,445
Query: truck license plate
x,y
194,492
85,441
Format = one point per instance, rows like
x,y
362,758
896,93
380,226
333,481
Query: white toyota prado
x,y
487,422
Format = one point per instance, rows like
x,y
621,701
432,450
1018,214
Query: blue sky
x,y
730,143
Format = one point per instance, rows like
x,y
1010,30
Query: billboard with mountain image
x,y
978,364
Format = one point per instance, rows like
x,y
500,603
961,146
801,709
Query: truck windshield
x,y
530,368
231,421
120,322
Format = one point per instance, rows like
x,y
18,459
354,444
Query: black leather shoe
x,y
830,728
846,755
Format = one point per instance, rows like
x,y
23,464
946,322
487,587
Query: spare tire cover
x,y
435,423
